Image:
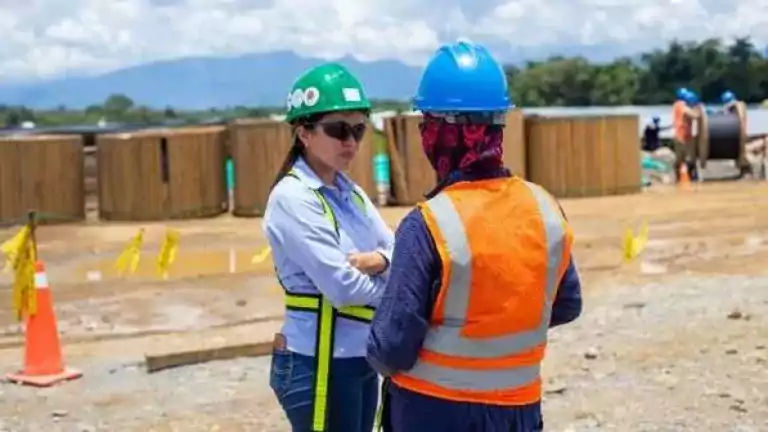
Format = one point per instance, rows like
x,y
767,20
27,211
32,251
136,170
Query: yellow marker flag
x,y
129,258
626,245
261,256
168,252
20,253
12,247
633,245
24,291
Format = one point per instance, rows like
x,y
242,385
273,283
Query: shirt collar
x,y
307,175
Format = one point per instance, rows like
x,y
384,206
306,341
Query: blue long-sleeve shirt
x,y
402,318
310,257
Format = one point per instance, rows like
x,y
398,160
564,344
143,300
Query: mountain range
x,y
250,80
204,82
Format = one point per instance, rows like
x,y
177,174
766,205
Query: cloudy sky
x,y
45,38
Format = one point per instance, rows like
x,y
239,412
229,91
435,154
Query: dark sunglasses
x,y
342,130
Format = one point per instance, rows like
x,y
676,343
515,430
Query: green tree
x,y
118,103
170,113
12,119
707,67
616,83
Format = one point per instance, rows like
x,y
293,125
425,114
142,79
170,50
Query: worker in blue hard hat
x,y
727,97
693,99
655,149
684,112
731,105
729,101
480,271
651,135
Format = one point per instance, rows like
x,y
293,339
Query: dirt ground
x,y
677,341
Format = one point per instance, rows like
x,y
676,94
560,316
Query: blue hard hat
x,y
692,99
727,97
463,77
682,93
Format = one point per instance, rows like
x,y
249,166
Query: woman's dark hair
x,y
297,148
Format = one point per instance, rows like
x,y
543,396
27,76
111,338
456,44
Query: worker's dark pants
x,y
407,411
353,392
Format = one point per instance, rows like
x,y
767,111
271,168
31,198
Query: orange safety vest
x,y
681,123
504,245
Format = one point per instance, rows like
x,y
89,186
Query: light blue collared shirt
x,y
310,256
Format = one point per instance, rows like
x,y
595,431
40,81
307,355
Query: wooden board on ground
x,y
251,340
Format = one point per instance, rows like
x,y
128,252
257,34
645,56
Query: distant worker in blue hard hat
x,y
480,271
731,104
684,113
746,162
729,101
652,145
651,135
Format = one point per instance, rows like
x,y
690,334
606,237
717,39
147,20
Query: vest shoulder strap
x,y
327,210
357,198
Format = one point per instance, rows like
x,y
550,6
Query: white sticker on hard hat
x,y
297,98
352,95
311,96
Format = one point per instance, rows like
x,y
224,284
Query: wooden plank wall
x,y
162,174
44,174
584,156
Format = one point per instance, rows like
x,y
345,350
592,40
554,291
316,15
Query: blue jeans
x,y
353,394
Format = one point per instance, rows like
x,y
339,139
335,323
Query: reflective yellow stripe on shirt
x,y
311,302
326,321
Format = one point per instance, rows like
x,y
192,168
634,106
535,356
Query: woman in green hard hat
x,y
331,250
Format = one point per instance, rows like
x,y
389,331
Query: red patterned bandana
x,y
461,147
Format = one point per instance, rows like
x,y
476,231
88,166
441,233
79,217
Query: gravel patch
x,y
677,354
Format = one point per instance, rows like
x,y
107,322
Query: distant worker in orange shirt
x,y
683,114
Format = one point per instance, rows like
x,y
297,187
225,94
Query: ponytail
x,y
296,151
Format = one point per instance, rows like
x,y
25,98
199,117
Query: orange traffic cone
x,y
684,178
43,364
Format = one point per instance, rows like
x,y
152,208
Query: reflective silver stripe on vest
x,y
476,380
446,338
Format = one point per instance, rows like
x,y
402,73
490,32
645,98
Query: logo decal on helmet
x,y
297,98
311,96
352,95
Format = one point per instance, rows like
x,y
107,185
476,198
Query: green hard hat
x,y
325,88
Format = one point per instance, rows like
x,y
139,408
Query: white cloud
x,y
43,38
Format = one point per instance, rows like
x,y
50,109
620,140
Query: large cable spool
x,y
722,136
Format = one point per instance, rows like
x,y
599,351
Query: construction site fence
x,y
181,173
